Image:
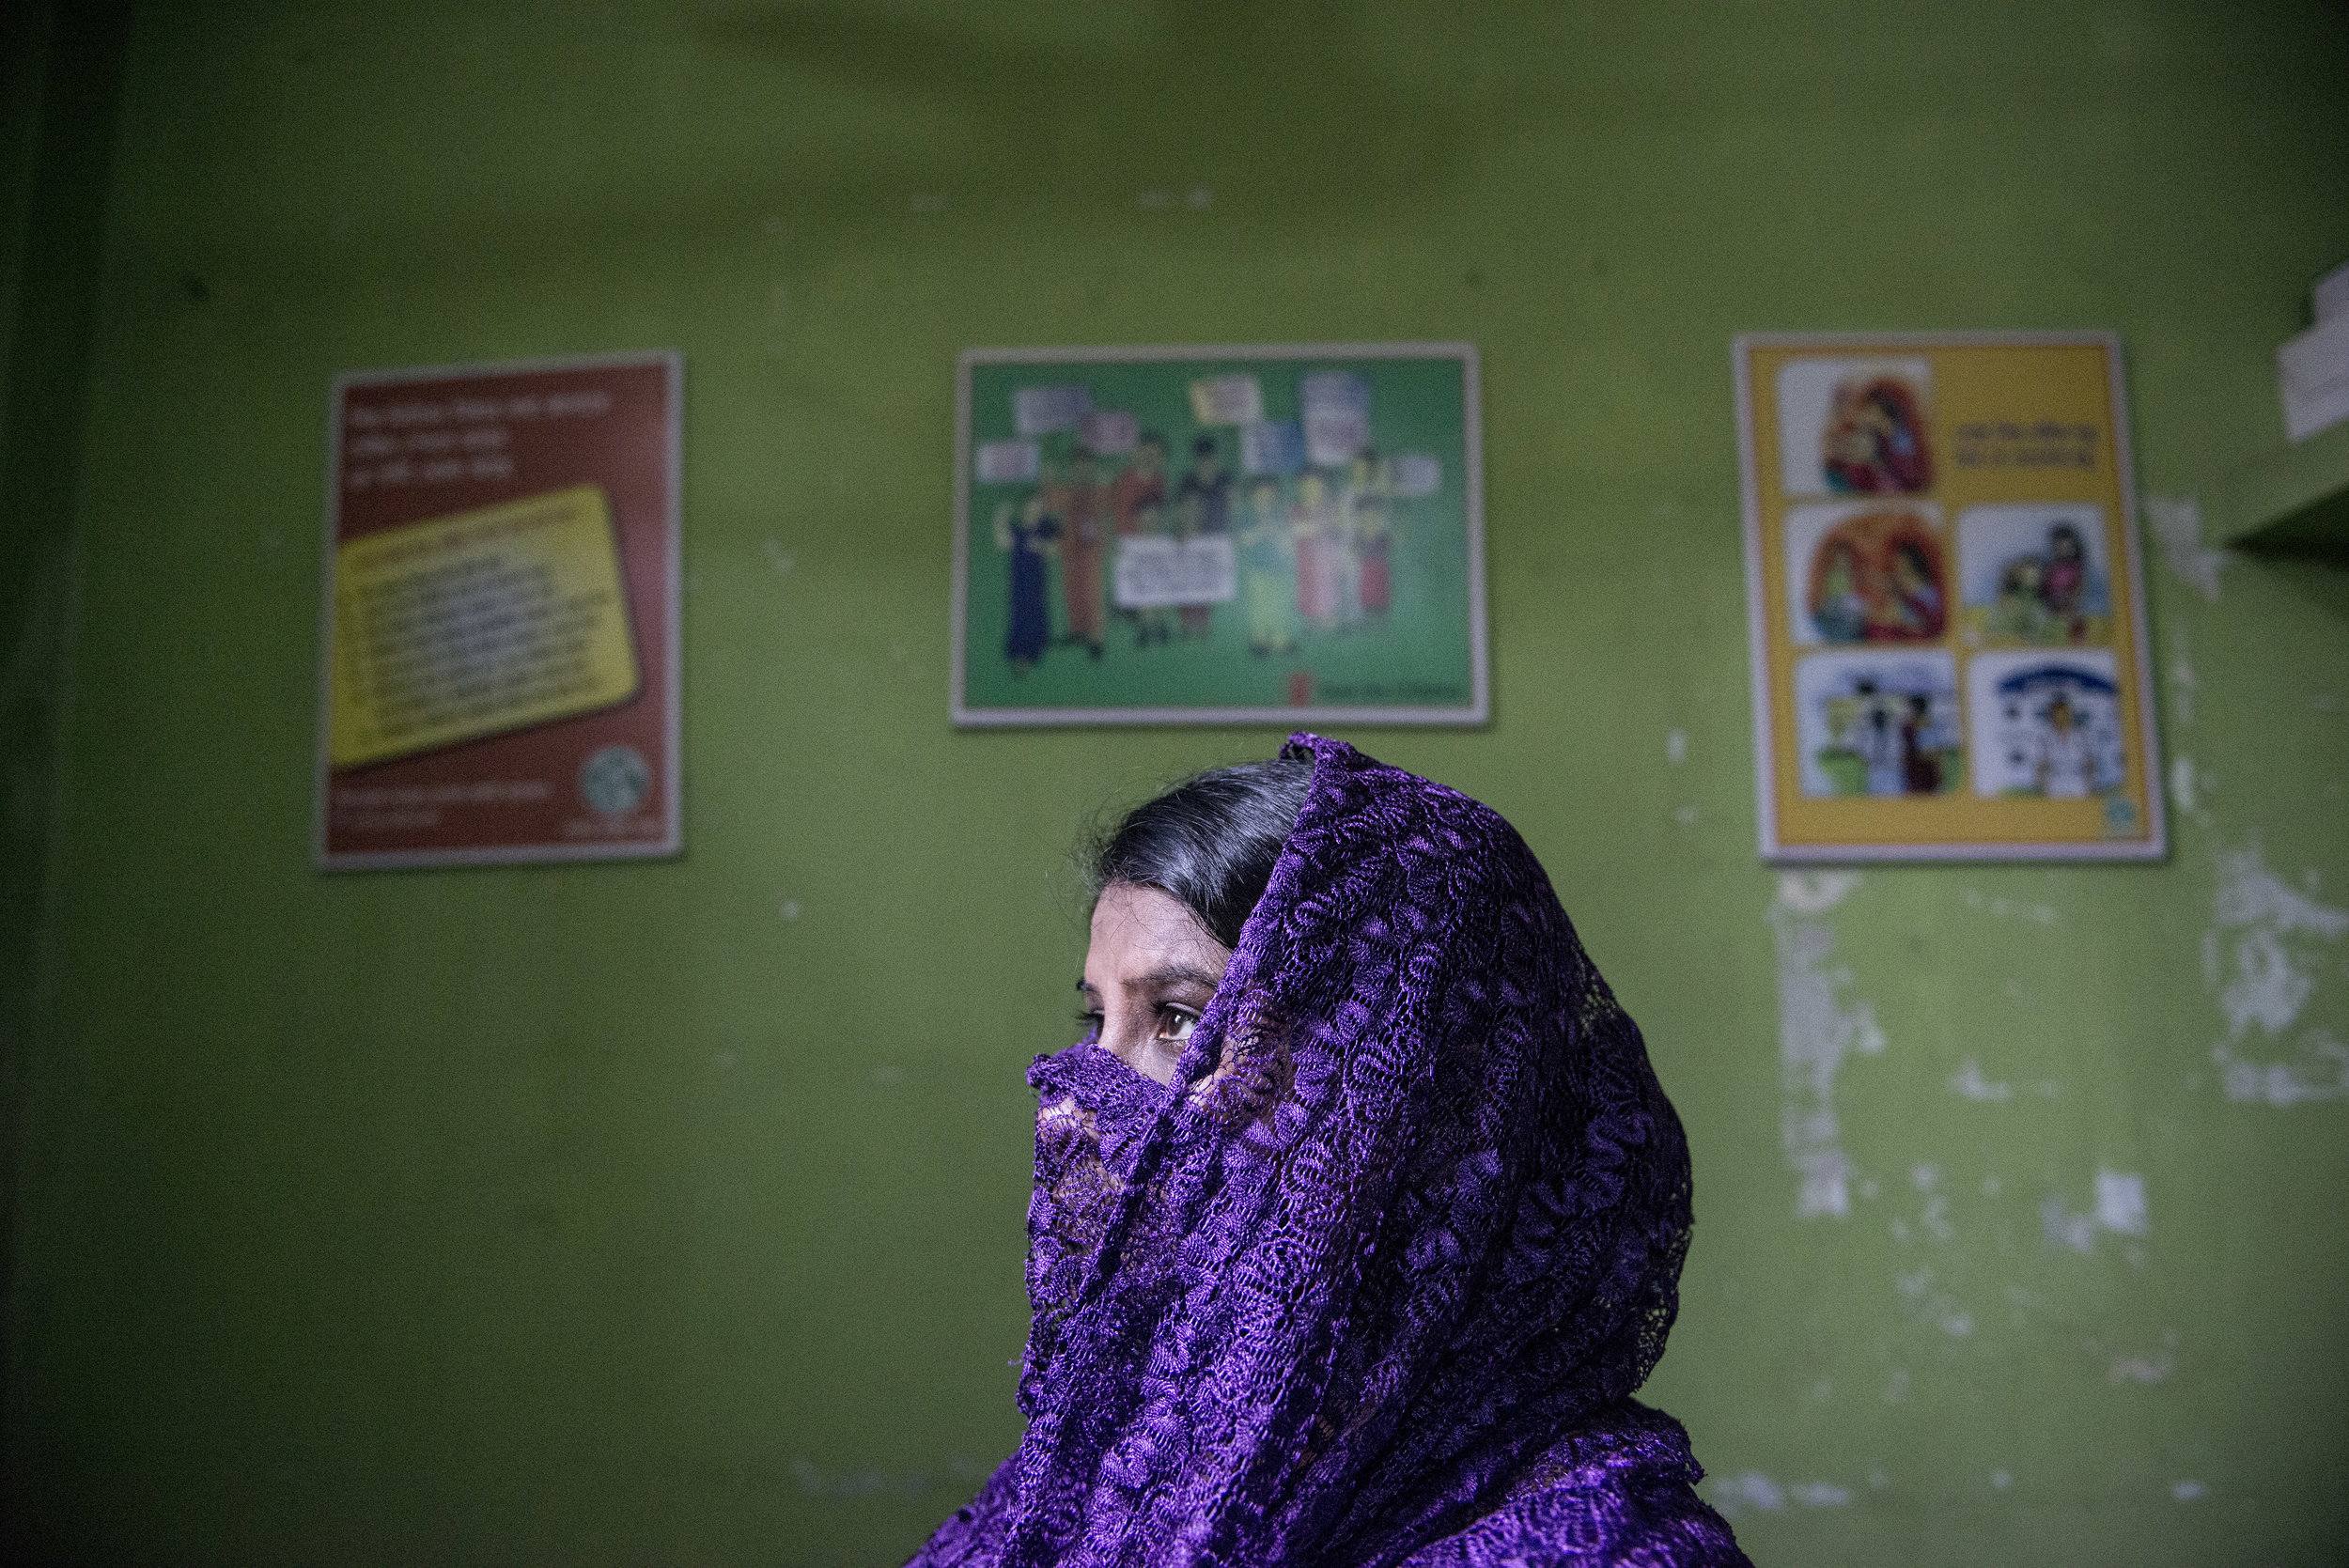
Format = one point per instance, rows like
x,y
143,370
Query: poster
x,y
498,637
1944,597
1287,535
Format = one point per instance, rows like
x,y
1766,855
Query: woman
x,y
1027,536
1313,527
1358,1214
1267,561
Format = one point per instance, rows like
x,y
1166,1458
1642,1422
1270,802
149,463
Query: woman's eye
x,y
1175,1024
1089,1022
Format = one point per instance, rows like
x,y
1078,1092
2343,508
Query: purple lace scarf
x,y
1372,1283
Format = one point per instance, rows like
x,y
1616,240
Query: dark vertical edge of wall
x,y
63,77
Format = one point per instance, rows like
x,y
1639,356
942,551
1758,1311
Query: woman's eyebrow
x,y
1176,974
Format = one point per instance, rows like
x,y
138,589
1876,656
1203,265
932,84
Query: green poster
x,y
1218,535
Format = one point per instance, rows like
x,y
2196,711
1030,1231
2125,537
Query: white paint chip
x,y
778,560
1968,1081
2274,931
1817,1032
789,908
1676,746
2001,1480
2121,1203
2188,1491
1684,815
2183,685
2066,1229
1734,1495
1815,894
2011,909
2182,782
2118,1208
1753,1490
2177,525
1929,1304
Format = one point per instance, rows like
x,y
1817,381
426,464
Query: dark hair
x,y
1204,447
1210,842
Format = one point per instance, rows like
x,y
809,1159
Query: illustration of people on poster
x,y
1212,535
499,636
1947,624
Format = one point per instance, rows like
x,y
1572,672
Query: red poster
x,y
498,641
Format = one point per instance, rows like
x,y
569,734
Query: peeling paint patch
x,y
2271,931
1676,747
2177,525
2011,909
1753,1491
2141,1368
1968,1081
2121,1203
1734,1495
2188,1491
2182,782
1816,1029
778,560
2118,1208
1925,1302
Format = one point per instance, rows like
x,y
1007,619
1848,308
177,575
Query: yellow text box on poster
x,y
467,626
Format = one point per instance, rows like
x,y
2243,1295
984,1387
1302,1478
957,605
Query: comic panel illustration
x,y
1156,535
1855,426
1867,572
2035,576
1878,723
2047,725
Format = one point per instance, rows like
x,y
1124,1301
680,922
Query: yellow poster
x,y
1942,584
476,624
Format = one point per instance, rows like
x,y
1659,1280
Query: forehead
x,y
1137,930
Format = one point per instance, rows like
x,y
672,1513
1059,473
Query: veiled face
x,y
1149,972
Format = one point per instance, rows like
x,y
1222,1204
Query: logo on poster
x,y
615,781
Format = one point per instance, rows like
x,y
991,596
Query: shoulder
x,y
1620,1490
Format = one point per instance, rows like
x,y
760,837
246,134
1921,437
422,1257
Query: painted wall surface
x,y
673,1212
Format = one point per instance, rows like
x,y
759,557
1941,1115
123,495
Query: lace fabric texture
x,y
1372,1283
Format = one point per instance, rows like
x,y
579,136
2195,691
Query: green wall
x,y
673,1212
